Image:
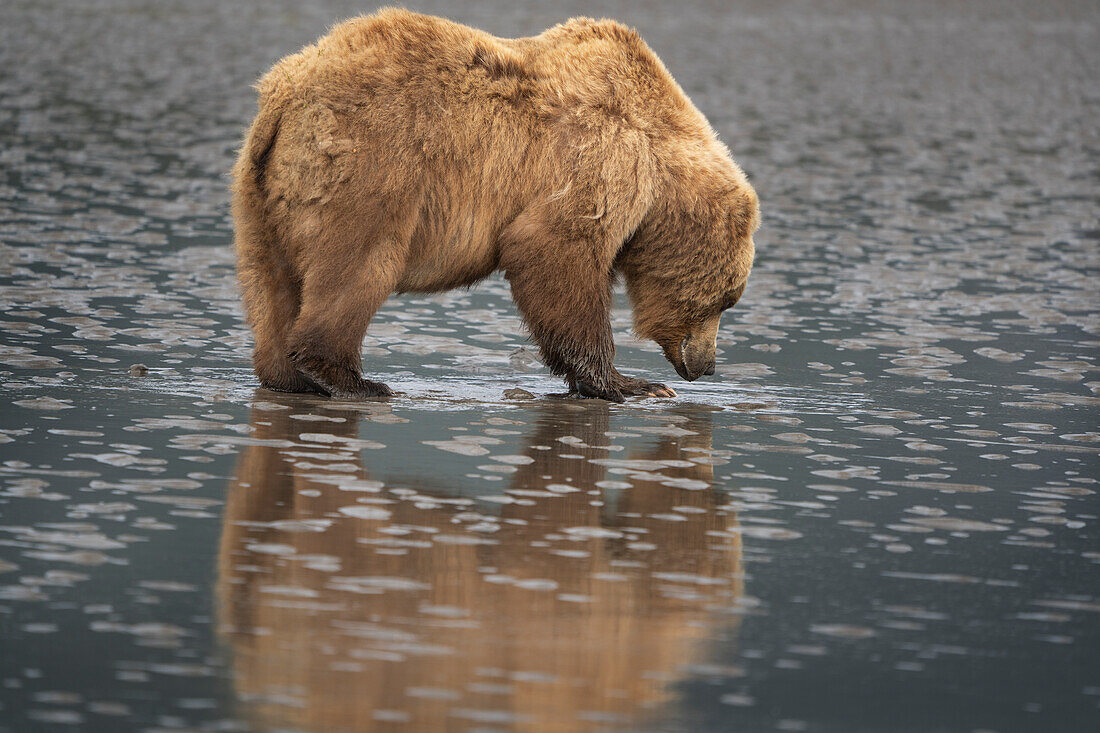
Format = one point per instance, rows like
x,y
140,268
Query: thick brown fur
x,y
406,153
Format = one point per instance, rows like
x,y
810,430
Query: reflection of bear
x,y
554,615
403,152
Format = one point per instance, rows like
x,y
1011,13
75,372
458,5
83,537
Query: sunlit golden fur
x,y
565,609
403,152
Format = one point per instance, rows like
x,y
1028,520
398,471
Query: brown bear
x,y
407,153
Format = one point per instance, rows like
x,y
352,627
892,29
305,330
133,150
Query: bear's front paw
x,y
587,391
632,386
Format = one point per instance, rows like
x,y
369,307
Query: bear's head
x,y
686,264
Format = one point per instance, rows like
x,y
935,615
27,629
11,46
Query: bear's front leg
x,y
562,288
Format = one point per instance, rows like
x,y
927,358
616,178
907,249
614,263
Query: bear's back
x,y
605,66
404,38
597,67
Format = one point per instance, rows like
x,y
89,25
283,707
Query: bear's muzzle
x,y
697,349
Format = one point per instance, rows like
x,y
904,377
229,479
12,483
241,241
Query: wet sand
x,y
879,515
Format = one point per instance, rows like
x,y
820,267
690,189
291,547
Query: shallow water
x,y
880,514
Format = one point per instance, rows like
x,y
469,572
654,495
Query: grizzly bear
x,y
407,153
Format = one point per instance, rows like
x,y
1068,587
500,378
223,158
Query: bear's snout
x,y
696,355
696,360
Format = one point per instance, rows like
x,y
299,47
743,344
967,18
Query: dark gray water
x,y
880,515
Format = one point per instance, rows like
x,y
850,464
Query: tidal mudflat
x,y
879,515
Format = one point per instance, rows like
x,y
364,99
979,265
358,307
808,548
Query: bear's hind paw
x,y
365,389
296,384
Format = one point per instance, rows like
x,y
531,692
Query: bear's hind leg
x,y
338,302
272,298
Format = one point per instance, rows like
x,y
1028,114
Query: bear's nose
x,y
709,371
